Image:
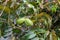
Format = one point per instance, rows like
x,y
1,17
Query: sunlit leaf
x,y
58,38
54,8
28,22
20,20
59,1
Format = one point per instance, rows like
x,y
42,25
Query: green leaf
x,y
30,35
39,30
28,22
58,38
36,38
54,8
46,34
20,20
41,38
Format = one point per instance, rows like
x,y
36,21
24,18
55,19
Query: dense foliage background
x,y
30,19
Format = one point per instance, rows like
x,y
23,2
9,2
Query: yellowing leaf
x,y
33,21
54,36
43,14
58,1
7,9
47,19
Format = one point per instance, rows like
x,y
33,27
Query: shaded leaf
x,y
36,38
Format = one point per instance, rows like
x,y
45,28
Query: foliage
x,y
30,19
